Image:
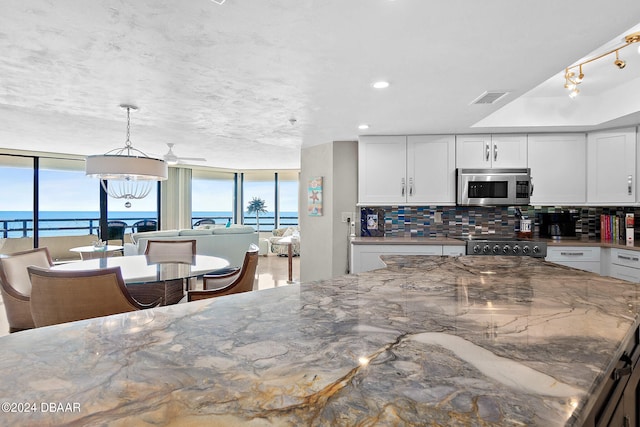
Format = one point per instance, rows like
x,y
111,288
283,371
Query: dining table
x,y
148,278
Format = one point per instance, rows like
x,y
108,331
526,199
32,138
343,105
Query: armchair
x,y
16,286
279,233
59,296
236,281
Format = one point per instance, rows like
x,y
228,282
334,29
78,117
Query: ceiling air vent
x,y
489,97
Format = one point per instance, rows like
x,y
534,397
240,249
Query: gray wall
x,y
323,246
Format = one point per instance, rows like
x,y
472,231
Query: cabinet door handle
x,y
487,152
410,187
625,370
572,253
629,184
531,182
628,258
495,152
402,187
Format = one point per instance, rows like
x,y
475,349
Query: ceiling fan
x,y
172,159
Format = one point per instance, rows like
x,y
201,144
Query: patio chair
x,y
16,286
145,225
59,296
216,285
116,230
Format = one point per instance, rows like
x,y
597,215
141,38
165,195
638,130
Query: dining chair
x,y
180,251
242,280
170,247
16,286
59,296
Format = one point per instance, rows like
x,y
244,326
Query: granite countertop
x,y
471,341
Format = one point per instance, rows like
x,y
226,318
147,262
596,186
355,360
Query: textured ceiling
x,y
223,82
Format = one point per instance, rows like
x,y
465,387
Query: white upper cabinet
x,y
611,167
491,151
431,169
382,169
558,168
399,170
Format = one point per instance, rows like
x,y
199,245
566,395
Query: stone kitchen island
x,y
473,341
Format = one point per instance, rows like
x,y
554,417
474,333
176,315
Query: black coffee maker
x,y
558,225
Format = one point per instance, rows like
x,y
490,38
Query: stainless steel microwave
x,y
493,187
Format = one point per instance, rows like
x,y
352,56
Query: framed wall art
x,y
314,207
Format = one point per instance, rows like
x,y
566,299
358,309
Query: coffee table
x,y
91,252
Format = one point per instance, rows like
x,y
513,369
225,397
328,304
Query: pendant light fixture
x,y
126,173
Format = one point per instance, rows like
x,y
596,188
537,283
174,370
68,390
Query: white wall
x,y
345,196
323,246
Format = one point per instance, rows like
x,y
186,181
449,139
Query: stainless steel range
x,y
501,245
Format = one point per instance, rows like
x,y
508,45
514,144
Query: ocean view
x,y
61,223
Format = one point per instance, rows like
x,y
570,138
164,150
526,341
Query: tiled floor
x,y
272,272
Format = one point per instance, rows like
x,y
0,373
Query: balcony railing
x,y
13,228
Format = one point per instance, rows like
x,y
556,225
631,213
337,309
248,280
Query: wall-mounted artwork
x,y
315,197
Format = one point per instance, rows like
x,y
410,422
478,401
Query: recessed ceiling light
x,y
363,126
381,85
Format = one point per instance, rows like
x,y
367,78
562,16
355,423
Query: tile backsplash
x,y
443,221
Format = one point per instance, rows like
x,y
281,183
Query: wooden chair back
x,y
16,286
59,296
166,248
231,283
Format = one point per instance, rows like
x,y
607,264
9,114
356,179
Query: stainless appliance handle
x,y
487,150
495,152
629,185
402,187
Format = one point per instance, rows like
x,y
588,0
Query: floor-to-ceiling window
x,y
212,196
288,198
57,197
259,186
16,203
138,214
68,201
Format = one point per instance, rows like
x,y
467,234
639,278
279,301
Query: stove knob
x,y
536,250
486,249
476,249
496,249
506,249
516,249
526,250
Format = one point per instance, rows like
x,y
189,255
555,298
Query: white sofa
x,y
230,243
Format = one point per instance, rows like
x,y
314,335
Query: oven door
x,y
493,187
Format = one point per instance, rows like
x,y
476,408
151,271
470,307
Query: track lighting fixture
x,y
571,80
618,62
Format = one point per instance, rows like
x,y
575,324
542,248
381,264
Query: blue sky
x,y
73,191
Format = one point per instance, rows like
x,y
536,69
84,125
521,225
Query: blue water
x,y
65,223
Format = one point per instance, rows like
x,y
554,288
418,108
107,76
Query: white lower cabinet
x,y
454,250
367,257
585,258
624,264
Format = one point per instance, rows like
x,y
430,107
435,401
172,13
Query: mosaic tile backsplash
x,y
456,221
